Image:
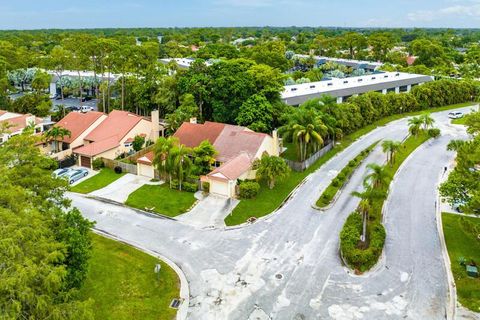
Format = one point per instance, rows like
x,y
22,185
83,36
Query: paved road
x,y
287,266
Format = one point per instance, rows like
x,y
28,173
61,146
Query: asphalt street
x,y
288,267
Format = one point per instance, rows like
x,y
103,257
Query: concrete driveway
x,y
288,267
210,211
120,189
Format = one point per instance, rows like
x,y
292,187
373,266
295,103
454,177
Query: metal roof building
x,y
344,88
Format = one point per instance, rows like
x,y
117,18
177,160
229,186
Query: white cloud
x,y
471,10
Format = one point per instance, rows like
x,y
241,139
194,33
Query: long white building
x,y
344,88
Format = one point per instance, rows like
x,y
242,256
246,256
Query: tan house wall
x,y
145,170
268,145
143,126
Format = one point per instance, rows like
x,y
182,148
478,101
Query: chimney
x,y
193,120
29,120
277,143
156,128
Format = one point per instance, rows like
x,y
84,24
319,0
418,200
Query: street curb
x,y
146,213
182,311
452,290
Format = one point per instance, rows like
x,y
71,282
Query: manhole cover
x,y
279,276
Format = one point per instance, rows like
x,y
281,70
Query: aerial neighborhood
x,y
240,172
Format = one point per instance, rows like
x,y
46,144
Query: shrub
x,y
361,259
341,177
97,164
118,169
248,189
352,163
174,184
434,132
206,187
336,182
189,187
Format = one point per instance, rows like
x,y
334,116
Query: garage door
x,y
220,188
85,162
146,170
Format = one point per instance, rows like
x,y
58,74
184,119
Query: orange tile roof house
x,y
95,134
16,122
237,148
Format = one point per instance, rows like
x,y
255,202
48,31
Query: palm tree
x,y
391,148
367,196
378,178
161,151
57,133
271,169
180,162
305,128
455,145
427,120
415,124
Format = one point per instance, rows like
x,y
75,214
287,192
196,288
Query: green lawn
x,y
98,181
123,285
291,152
268,200
164,200
342,178
459,121
463,242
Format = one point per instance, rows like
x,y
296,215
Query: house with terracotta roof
x,y
238,147
114,136
16,122
80,125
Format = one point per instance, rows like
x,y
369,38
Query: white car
x,y
455,115
84,109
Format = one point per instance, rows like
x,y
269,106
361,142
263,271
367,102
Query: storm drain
x,y
175,303
279,276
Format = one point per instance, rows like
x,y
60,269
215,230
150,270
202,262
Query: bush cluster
x,y
248,189
97,164
355,256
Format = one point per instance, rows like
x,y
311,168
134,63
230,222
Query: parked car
x,y
75,175
84,109
60,172
72,108
458,205
455,115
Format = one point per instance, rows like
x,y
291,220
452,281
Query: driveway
x,y
120,189
210,211
288,267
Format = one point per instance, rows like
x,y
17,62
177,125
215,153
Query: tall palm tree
x,y
427,120
378,177
305,128
367,196
180,162
55,134
415,124
391,148
161,151
271,169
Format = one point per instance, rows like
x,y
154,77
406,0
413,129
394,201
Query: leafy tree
x,y
256,114
187,110
44,244
271,169
41,81
59,60
204,157
138,142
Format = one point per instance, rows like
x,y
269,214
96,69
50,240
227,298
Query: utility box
x,y
472,271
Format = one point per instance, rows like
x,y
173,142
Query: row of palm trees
x,y
416,124
308,129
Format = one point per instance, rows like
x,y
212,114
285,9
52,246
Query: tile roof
x,y
77,123
146,159
233,168
228,140
117,124
97,147
18,122
192,134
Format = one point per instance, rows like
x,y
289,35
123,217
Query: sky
x,y
36,14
